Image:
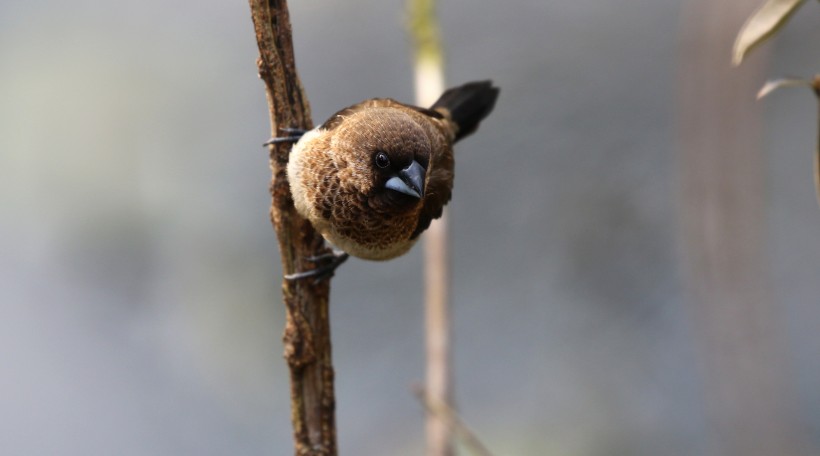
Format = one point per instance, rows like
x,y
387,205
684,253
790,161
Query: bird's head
x,y
388,155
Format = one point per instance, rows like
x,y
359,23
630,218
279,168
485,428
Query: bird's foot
x,y
323,272
293,136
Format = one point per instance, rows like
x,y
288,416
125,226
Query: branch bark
x,y
307,329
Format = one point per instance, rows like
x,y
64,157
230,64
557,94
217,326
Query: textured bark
x,y
307,330
742,342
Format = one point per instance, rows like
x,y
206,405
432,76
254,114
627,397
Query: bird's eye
x,y
382,160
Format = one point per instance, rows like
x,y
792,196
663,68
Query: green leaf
x,y
761,25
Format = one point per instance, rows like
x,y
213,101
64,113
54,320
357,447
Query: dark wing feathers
x,y
439,185
467,105
430,211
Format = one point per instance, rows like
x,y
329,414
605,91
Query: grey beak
x,y
410,181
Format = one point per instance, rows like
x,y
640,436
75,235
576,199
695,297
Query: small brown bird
x,y
374,175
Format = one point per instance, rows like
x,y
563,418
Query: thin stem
x,y
429,82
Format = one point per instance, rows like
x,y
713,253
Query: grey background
x,y
140,310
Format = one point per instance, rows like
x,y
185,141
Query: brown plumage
x,y
374,176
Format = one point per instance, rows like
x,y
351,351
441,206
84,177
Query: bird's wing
x,y
438,190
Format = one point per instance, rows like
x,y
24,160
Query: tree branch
x,y
307,328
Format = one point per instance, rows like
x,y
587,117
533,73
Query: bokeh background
x,y
140,307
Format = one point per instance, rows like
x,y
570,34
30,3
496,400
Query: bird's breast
x,y
358,228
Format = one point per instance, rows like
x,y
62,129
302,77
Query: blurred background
x,y
140,305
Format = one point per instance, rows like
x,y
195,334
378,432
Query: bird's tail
x,y
467,105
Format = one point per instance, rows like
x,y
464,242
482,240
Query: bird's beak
x,y
410,181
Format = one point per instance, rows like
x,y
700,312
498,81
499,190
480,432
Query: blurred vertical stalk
x,y
429,82
741,340
815,85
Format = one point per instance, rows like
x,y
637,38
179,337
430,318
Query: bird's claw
x,y
295,135
298,131
322,272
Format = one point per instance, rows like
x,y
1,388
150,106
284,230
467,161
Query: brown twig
x,y
307,329
445,413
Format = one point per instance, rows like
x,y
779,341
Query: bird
x,y
373,176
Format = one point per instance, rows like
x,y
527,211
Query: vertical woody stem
x,y
307,330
